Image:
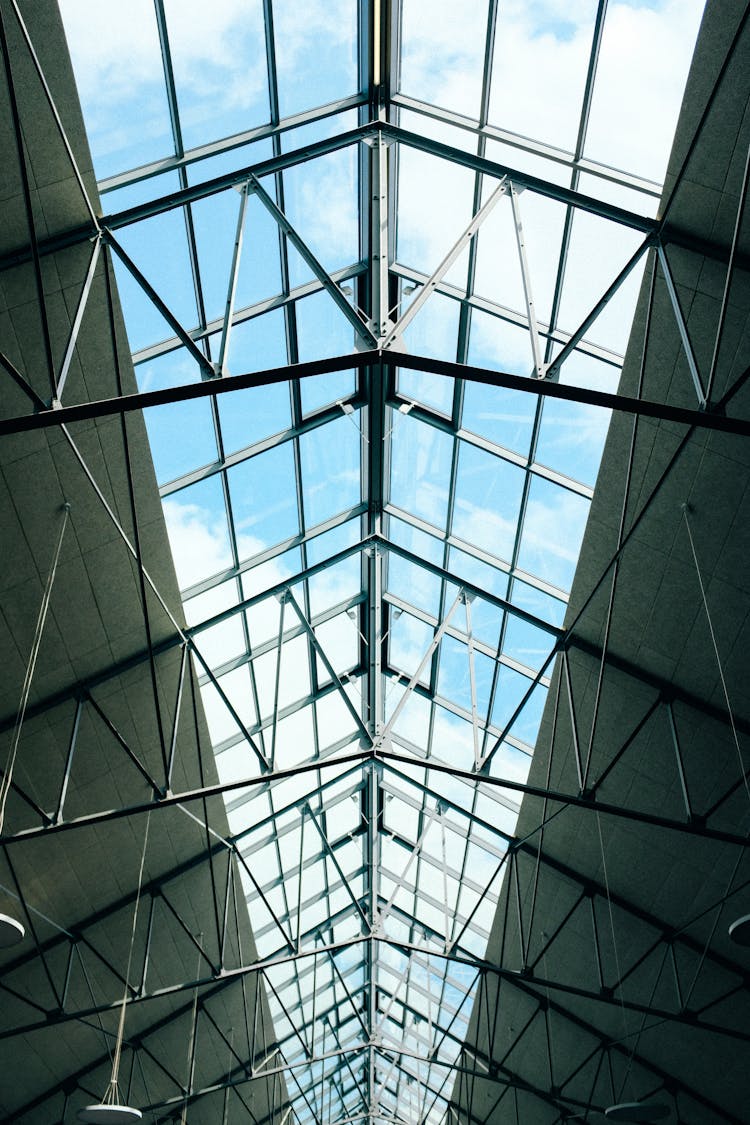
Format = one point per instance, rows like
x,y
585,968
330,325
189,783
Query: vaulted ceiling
x,y
375,753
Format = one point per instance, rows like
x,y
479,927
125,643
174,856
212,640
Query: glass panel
x,y
488,498
432,333
264,500
429,223
219,63
442,53
117,59
330,457
316,52
598,252
409,641
172,369
571,438
420,471
542,100
654,41
320,201
454,677
198,533
426,389
158,248
182,437
552,532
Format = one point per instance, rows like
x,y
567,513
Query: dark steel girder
x,y
712,418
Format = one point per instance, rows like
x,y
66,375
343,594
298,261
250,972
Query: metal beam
x,y
713,418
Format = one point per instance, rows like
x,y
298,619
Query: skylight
x,y
375,559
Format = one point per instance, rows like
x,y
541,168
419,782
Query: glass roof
x,y
375,561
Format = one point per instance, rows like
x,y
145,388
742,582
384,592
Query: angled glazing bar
x,y
186,392
268,167
36,400
473,591
432,646
682,328
526,278
471,301
553,367
730,274
171,92
330,669
715,419
80,310
565,798
496,171
228,144
188,343
484,131
334,291
232,286
441,270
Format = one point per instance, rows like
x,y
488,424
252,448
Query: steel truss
x,y
367,1070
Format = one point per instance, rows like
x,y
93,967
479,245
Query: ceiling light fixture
x,y
637,1111
109,1111
739,931
11,931
109,1114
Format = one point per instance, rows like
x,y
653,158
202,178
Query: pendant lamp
x,y
739,931
637,1111
11,931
